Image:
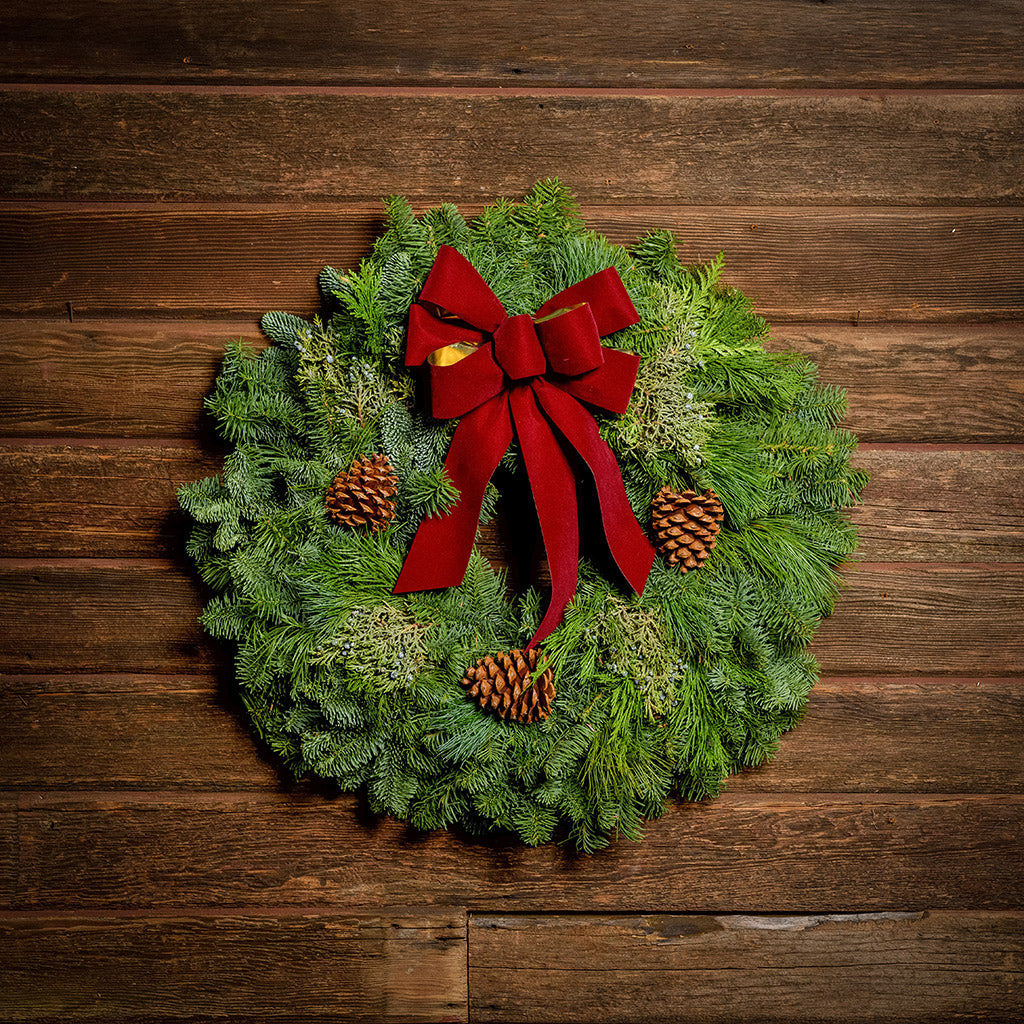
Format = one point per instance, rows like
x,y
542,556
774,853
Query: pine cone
x,y
502,684
362,495
686,526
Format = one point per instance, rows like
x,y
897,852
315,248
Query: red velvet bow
x,y
530,378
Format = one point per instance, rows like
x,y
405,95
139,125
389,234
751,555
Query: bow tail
x,y
627,541
441,548
554,494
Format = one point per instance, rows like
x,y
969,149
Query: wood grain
x,y
916,619
911,968
164,733
400,42
140,616
884,148
796,263
167,732
98,500
115,379
768,853
110,500
921,505
105,616
324,966
930,384
902,736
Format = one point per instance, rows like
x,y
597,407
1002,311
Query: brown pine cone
x,y
502,684
363,495
686,526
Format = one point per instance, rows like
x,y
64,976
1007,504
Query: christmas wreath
x,y
607,405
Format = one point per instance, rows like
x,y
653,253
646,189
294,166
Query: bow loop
x,y
455,285
524,376
571,340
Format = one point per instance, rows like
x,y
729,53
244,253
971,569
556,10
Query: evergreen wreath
x,y
663,693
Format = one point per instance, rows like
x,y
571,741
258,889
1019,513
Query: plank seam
x,y
591,210
514,91
151,562
176,912
23,798
190,443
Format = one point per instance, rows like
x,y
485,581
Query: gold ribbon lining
x,y
452,354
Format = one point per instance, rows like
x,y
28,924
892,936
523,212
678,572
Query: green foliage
x,y
665,693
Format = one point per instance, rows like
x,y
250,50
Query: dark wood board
x,y
939,383
876,148
935,505
401,43
912,968
105,616
236,966
111,500
842,264
140,616
99,500
164,732
742,853
915,619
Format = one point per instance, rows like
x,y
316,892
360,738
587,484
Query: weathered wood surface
x,y
773,852
937,383
98,500
934,735
102,616
941,384
419,42
934,505
901,967
140,616
927,619
182,168
795,263
882,148
235,966
115,499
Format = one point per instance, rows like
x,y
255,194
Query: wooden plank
x,y
930,384
933,620
903,736
140,616
879,42
806,263
170,734
389,965
799,263
112,379
109,500
742,853
900,967
964,505
773,149
98,500
153,732
103,616
115,379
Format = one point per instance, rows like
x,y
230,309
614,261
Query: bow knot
x,y
517,348
524,376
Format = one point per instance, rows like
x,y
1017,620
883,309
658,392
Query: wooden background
x,y
171,170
